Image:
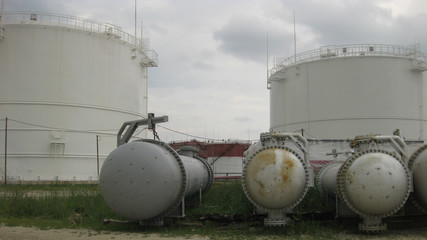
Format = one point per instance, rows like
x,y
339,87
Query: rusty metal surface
x,y
374,183
275,178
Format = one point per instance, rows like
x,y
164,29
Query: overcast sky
x,y
211,79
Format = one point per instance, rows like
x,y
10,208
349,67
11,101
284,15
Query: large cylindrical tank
x,y
66,84
337,92
148,180
276,177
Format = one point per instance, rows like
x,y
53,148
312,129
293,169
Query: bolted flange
x,y
267,152
353,176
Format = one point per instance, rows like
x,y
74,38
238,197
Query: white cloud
x,y
403,7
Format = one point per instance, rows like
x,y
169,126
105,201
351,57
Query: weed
x,y
222,198
82,206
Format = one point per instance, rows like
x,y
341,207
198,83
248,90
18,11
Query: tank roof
x,y
72,22
352,50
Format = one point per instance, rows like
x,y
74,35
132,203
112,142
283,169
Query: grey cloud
x,y
245,37
35,6
355,21
409,30
361,21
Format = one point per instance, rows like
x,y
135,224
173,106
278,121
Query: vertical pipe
x,y
295,41
2,18
267,56
308,101
97,155
135,24
143,47
2,11
5,153
421,108
146,88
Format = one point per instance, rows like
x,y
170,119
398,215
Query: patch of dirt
x,y
27,233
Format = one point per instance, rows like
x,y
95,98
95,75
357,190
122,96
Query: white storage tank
x,y
67,84
338,92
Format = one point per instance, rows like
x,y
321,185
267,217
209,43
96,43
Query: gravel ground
x,y
30,233
26,233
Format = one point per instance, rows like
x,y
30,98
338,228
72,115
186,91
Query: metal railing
x,y
82,24
337,51
226,176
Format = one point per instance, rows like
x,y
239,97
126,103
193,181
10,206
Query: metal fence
x,y
8,131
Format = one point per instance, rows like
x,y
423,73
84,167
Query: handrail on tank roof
x,y
351,50
26,15
78,23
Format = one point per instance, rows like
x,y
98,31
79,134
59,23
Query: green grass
x,y
65,206
222,198
82,206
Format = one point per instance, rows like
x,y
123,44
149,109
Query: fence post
x,y
97,155
5,153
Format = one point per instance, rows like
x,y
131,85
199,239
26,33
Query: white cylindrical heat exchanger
x,y
198,171
373,183
148,180
327,178
418,165
275,177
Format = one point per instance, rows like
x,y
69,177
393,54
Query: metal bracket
x,y
299,142
399,149
131,127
